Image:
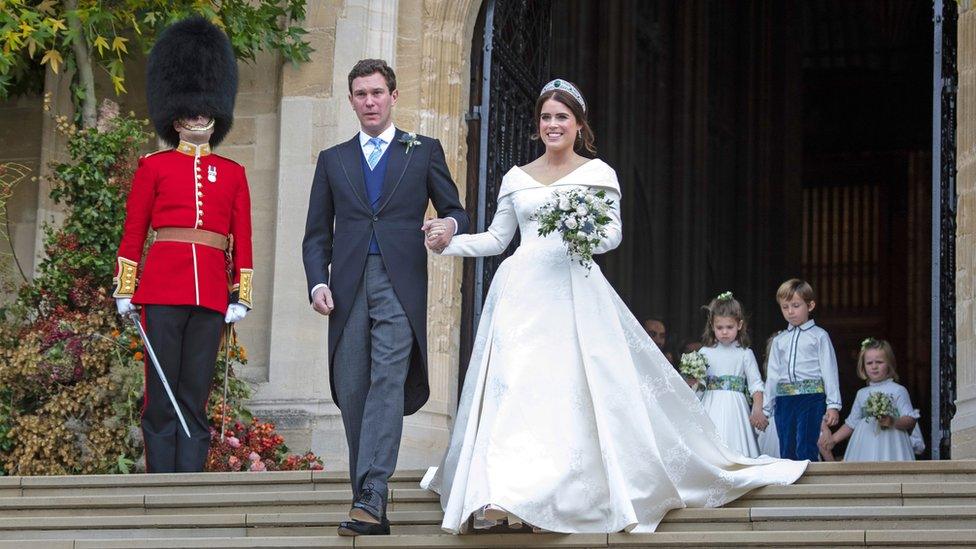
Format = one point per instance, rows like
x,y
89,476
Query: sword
x,y
134,317
223,403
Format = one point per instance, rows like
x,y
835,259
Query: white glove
x,y
124,306
235,313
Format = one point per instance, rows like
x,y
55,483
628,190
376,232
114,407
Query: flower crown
x,y
868,342
565,86
724,296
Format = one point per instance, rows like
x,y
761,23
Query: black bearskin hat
x,y
191,71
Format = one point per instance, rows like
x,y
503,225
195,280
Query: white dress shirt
x,y
802,353
387,136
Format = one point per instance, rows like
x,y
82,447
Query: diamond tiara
x,y
560,84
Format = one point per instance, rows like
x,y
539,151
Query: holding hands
x,y
758,419
439,233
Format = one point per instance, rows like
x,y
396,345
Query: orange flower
x,y
115,333
138,355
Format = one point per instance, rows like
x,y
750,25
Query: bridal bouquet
x,y
879,405
581,217
693,365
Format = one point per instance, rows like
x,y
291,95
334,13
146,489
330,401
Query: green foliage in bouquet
x,y
71,371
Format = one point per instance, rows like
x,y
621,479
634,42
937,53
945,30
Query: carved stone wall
x,y
964,422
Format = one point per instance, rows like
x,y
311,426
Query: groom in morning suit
x,y
366,266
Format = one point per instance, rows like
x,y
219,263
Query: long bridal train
x,y
571,419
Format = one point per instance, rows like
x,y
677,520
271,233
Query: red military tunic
x,y
186,187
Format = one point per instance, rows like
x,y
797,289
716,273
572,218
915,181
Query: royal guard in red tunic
x,y
197,274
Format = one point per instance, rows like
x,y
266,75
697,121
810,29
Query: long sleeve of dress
x,y
491,242
751,367
614,228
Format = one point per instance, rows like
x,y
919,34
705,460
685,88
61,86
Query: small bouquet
x,y
879,405
581,217
693,366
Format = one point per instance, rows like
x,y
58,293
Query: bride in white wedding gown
x,y
571,419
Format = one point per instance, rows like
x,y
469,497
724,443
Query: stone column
x,y
433,51
964,422
53,149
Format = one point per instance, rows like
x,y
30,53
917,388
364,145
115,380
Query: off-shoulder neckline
x,y
555,181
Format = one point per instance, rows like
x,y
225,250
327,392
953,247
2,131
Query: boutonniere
x,y
410,140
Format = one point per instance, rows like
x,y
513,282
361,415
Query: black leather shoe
x,y
369,507
355,528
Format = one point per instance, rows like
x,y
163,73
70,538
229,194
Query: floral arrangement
x,y
255,446
878,405
693,365
71,371
581,217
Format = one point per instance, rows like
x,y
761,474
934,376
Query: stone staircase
x,y
921,504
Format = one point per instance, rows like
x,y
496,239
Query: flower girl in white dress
x,y
570,418
884,438
732,376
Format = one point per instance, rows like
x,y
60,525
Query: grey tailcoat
x,y
340,222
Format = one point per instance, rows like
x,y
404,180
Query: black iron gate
x,y
512,68
943,226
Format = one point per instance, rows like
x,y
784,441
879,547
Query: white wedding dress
x,y
571,419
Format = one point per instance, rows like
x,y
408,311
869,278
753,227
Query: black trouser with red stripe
x,y
186,339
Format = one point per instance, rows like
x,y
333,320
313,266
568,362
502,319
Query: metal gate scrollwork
x,y
515,67
945,79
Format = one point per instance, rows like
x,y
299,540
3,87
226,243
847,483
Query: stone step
x,y
415,499
890,471
817,473
823,539
306,524
187,483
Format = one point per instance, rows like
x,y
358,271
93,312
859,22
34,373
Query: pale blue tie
x,y
376,153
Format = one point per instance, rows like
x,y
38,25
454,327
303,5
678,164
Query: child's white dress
x,y
769,439
869,441
732,374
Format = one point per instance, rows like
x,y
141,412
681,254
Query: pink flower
x,y
233,442
258,465
234,462
254,457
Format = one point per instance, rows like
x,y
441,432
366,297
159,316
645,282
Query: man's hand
x,y
125,306
832,417
439,233
322,301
